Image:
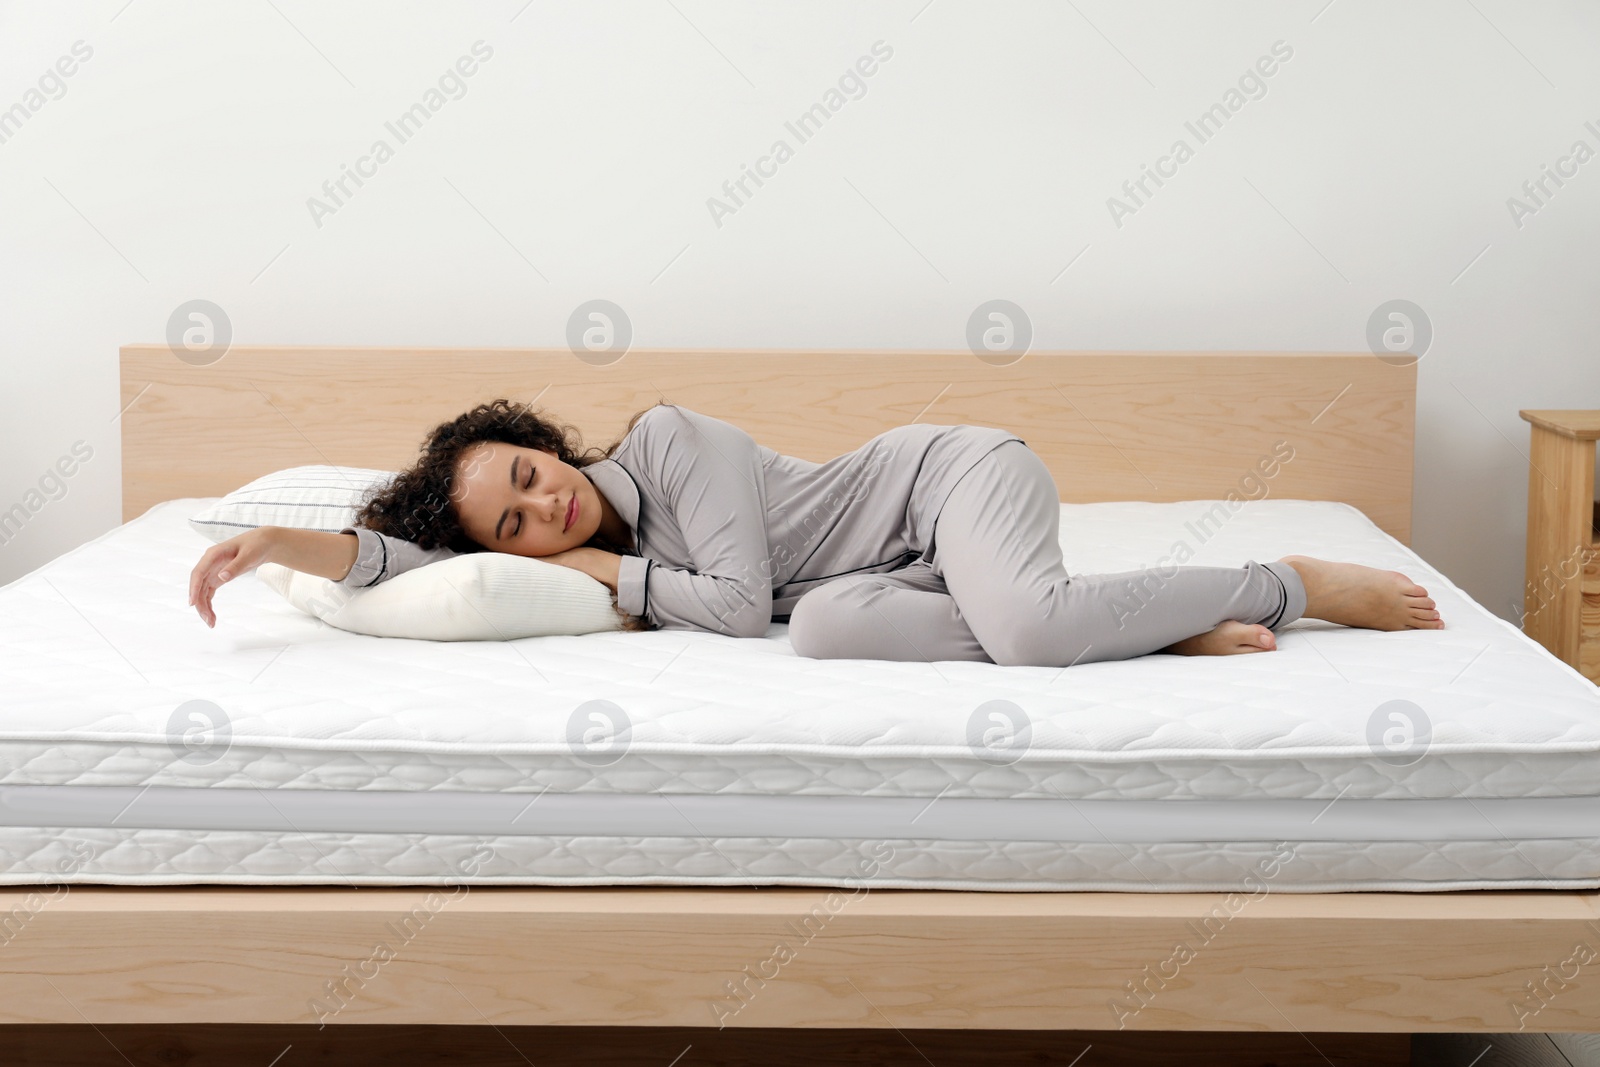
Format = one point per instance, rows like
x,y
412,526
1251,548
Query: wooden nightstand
x,y
1561,602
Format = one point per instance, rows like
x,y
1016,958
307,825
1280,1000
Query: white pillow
x,y
303,498
478,596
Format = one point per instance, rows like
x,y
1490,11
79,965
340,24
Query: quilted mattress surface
x,y
113,683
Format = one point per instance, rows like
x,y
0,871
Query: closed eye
x,y
532,473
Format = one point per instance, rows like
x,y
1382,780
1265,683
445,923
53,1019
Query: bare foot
x,y
1353,595
1229,639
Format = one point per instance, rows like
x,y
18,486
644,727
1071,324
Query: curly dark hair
x,y
416,504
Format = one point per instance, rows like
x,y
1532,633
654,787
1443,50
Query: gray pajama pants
x,y
995,589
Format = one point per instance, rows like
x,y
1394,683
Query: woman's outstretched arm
x,y
328,555
355,557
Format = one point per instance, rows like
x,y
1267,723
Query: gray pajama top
x,y
729,534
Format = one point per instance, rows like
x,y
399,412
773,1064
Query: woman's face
x,y
524,501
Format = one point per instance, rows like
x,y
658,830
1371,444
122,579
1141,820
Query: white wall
x,y
179,160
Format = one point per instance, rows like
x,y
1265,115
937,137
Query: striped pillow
x,y
303,498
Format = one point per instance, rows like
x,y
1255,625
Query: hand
x,y
597,563
226,561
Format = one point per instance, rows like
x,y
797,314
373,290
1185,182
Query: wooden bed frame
x,y
1112,426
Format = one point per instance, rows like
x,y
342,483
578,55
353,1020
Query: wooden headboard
x,y
1111,425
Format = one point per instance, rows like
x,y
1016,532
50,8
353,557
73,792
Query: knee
x,y
820,624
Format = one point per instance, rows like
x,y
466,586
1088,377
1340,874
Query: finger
x,y
197,575
229,567
216,582
197,596
202,604
208,564
207,592
201,595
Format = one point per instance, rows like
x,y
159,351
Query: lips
x,y
572,513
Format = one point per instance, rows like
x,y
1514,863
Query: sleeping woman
x,y
927,543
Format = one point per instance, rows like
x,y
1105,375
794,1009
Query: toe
x,y
1411,587
1257,638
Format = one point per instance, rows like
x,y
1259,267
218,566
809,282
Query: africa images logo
x,y
598,733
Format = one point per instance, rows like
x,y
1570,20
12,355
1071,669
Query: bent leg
x,y
904,615
997,549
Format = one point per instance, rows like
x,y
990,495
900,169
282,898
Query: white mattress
x,y
352,759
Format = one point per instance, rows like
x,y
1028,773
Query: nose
x,y
547,506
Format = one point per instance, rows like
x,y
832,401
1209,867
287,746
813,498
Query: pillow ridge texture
x,y
479,596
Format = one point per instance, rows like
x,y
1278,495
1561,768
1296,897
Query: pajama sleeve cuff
x,y
633,585
372,559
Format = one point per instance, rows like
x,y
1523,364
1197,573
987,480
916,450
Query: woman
x,y
927,543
